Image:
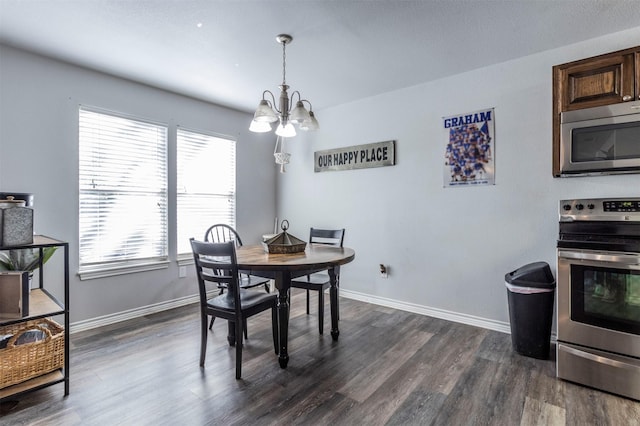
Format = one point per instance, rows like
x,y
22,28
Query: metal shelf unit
x,y
44,304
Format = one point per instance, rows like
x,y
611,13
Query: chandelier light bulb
x,y
260,126
286,131
264,113
310,124
299,114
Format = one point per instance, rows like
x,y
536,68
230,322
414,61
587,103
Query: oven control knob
x,y
579,206
591,206
567,207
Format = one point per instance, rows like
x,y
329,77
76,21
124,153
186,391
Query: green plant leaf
x,y
24,259
5,261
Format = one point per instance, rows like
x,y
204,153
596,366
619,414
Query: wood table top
x,y
315,256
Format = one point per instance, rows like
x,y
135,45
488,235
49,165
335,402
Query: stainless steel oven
x,y
598,280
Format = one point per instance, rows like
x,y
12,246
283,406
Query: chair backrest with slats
x,y
332,237
221,233
216,263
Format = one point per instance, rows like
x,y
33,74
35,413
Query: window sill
x,y
102,271
185,259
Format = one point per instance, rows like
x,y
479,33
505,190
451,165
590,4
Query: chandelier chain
x,y
284,63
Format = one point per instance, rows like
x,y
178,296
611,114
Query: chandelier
x,y
269,112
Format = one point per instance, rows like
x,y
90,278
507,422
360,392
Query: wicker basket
x,y
19,363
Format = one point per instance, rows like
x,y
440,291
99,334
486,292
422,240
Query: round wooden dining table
x,y
283,267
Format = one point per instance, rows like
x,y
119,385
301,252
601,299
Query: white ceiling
x,y
342,50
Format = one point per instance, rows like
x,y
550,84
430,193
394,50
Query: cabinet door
x,y
599,81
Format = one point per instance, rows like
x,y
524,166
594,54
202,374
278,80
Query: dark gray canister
x,y
16,222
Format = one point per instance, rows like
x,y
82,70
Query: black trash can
x,y
530,292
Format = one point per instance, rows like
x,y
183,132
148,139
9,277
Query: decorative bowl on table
x,y
284,243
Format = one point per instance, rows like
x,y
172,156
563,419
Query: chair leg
x,y
307,301
203,338
246,336
321,310
231,333
239,331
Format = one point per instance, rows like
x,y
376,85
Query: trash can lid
x,y
537,274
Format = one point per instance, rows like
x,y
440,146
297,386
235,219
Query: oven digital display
x,y
621,206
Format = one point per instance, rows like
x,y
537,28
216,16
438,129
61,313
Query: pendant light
x,y
269,112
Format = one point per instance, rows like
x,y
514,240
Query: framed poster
x,y
470,149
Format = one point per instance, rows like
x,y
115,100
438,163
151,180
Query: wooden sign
x,y
378,154
14,294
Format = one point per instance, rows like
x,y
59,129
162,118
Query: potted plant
x,y
26,260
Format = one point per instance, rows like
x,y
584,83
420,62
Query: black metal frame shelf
x,y
46,305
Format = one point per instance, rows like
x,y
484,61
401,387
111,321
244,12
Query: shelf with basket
x,y
45,361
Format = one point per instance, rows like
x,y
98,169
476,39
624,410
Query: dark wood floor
x,y
389,368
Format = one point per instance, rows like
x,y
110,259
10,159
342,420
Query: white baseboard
x,y
500,326
131,314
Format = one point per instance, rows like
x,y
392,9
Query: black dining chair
x,y
221,233
319,281
216,264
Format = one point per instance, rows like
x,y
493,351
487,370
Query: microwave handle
x,y
624,259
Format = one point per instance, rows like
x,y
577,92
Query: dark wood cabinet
x,y
601,80
637,67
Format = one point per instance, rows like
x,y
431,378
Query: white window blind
x,y
206,185
123,191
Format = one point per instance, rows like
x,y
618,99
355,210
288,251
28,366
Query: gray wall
x,y
39,100
448,248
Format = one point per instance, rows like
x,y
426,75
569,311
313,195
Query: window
x,y
206,185
123,194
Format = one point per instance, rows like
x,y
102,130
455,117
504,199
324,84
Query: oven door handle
x,y
599,359
625,259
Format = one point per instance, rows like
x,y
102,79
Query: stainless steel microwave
x,y
600,140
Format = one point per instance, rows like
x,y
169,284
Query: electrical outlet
x,y
384,271
182,272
